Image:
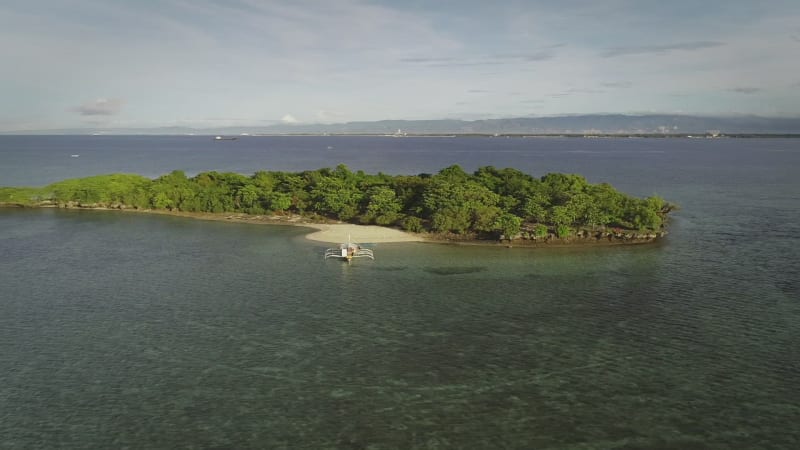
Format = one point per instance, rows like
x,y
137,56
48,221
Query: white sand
x,y
337,233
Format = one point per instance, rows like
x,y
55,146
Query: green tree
x,y
249,196
535,207
490,201
459,206
278,201
413,224
295,186
335,196
561,216
507,225
161,201
453,174
383,207
540,231
451,219
484,218
561,187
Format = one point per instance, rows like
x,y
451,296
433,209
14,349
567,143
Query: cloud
x,y
543,55
198,58
617,84
659,49
485,60
100,107
325,115
585,91
745,90
425,60
572,91
288,118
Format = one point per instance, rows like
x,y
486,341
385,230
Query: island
x,y
490,205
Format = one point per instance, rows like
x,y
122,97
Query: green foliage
x,y
507,225
100,189
383,207
413,224
453,174
278,201
540,230
490,201
534,207
459,205
451,219
562,187
21,195
336,196
561,216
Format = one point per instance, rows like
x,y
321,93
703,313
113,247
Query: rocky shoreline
x,y
581,238
526,238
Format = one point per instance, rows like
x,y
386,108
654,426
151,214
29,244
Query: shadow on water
x,y
455,270
389,268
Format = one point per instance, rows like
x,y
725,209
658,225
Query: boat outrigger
x,y
349,250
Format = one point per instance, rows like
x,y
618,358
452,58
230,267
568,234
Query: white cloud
x,y
247,60
745,90
660,49
100,107
288,119
326,116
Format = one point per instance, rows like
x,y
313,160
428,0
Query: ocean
x,y
128,330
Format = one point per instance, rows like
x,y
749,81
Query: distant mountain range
x,y
653,124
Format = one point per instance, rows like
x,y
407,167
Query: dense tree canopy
x,y
489,202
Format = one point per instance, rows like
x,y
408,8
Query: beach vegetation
x,y
489,202
540,230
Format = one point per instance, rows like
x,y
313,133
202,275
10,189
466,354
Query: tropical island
x,y
488,205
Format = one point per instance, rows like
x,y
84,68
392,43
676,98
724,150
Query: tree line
x,y
489,202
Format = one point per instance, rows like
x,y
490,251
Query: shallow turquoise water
x,y
126,330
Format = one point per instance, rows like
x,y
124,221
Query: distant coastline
x,y
130,133
578,125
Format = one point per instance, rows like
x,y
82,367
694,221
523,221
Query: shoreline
x,y
328,232
335,232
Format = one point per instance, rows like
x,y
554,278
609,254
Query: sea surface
x,y
133,331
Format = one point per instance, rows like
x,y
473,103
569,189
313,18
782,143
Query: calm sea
x,y
125,330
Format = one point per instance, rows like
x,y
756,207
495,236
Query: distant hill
x,y
571,124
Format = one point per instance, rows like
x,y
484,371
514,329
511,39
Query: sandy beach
x,y
338,233
332,233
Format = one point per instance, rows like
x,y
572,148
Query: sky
x,y
206,63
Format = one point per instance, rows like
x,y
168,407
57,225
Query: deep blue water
x,y
158,332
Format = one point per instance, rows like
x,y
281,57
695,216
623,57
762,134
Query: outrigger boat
x,y
349,250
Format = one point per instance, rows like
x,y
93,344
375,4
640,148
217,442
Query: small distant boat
x,y
224,138
349,250
74,156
